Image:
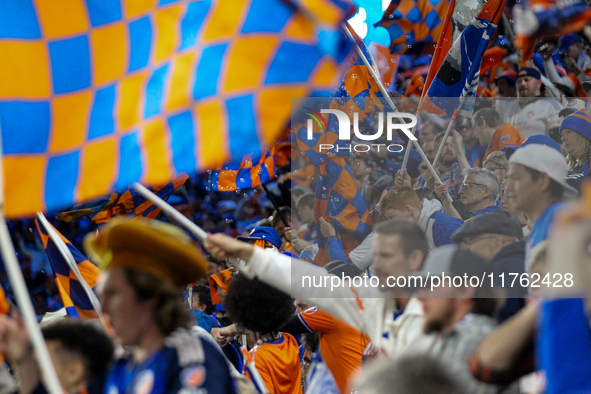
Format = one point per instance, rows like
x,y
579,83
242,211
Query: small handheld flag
x,y
129,203
73,296
454,86
247,173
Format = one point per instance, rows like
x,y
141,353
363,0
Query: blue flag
x,y
457,78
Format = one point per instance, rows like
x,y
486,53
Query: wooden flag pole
x,y
67,255
23,299
391,103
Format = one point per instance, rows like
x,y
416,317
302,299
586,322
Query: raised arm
x,y
295,277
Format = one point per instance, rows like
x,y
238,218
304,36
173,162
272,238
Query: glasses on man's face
x,y
467,185
495,168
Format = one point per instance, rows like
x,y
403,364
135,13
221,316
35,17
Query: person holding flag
x,y
146,264
391,317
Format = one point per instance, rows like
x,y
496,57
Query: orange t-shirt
x,y
506,136
278,363
341,345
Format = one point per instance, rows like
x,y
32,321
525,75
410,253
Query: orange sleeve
x,y
4,306
317,320
507,136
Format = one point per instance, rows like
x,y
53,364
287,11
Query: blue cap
x,y
541,139
268,234
529,72
219,308
568,40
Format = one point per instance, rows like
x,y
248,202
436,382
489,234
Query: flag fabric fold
x,y
413,24
338,199
247,173
458,73
130,203
359,93
547,18
73,296
341,203
95,96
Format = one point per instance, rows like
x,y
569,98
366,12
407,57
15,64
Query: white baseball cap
x,y
544,159
572,106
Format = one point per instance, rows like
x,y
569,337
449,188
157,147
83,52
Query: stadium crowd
x,y
179,313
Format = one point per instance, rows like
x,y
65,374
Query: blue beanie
x,y
540,139
578,122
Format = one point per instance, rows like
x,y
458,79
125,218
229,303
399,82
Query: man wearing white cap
x,y
535,186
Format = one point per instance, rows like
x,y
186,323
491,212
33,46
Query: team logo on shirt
x,y
505,138
145,382
530,114
193,376
311,311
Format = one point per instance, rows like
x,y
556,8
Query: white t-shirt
x,y
537,117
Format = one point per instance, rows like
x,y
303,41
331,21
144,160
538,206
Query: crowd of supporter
x,y
496,205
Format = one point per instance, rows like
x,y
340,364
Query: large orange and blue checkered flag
x,y
130,203
74,297
96,95
341,203
412,24
247,173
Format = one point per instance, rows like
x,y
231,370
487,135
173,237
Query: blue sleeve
x,y
564,346
335,250
443,229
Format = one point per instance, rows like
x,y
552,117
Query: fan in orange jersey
x,y
494,134
341,345
262,310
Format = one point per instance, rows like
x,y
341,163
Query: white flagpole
x,y
190,296
67,255
23,299
449,126
179,217
166,207
257,379
391,103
